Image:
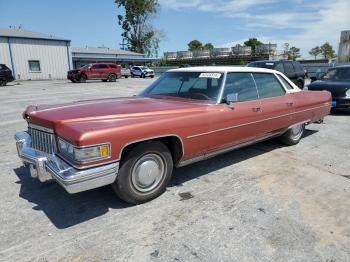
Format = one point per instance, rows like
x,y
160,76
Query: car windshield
x,y
338,74
269,65
143,67
86,66
204,86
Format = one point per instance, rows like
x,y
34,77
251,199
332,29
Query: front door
x,y
238,123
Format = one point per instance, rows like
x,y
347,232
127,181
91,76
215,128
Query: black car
x,y
336,81
5,75
292,69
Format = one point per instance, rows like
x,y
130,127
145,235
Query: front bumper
x,y
50,167
342,102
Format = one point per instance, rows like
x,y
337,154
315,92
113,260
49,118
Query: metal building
x,y
82,56
344,47
33,55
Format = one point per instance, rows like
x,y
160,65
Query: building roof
x,y
21,33
103,51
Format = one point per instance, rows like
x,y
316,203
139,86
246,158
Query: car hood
x,y
337,88
84,116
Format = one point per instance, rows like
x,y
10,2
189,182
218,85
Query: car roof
x,y
223,69
342,66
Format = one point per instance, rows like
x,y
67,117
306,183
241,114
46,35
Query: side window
x,y
285,83
95,66
279,67
298,67
34,65
103,66
288,68
242,84
113,66
268,85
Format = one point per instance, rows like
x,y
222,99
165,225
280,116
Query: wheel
x,y
142,75
73,80
300,84
104,80
112,78
3,82
126,76
82,78
152,76
293,135
144,173
132,75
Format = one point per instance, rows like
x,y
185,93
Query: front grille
x,y
42,141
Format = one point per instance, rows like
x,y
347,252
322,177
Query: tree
x,y
327,51
208,46
293,53
195,45
139,34
315,52
253,43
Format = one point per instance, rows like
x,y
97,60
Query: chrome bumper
x,y
47,167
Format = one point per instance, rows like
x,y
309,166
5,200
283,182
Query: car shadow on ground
x,y
65,210
340,112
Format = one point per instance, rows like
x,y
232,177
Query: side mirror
x,y
231,99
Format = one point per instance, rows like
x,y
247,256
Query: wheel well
x,y
173,143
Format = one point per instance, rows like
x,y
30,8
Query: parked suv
x,y
105,71
292,69
141,71
5,75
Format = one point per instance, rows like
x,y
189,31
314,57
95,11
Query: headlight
x,y
348,92
84,154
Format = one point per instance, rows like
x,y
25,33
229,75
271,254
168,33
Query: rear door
x,y
289,71
277,105
94,71
103,71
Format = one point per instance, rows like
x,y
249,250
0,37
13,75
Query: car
x,y
125,72
141,71
337,81
292,69
185,116
5,75
104,71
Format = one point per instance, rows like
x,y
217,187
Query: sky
x,y
224,23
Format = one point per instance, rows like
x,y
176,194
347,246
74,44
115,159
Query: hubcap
x,y
297,131
148,172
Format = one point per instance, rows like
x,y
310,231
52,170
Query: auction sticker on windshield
x,y
210,75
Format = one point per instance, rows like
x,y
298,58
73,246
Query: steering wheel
x,y
202,95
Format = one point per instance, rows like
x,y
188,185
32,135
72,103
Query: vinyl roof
x,y
21,33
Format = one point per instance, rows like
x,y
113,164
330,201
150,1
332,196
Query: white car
x,y
141,71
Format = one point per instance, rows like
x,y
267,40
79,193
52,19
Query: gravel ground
x,y
261,203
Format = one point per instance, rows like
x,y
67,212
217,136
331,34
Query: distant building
x,y
344,47
82,56
33,55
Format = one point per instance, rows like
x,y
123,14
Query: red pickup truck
x,y
104,71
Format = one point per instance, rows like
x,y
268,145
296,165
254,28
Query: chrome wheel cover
x,y
148,172
296,132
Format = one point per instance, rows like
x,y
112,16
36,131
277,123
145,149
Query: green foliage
x,y
195,45
293,53
135,22
253,43
160,62
242,62
327,51
208,46
315,52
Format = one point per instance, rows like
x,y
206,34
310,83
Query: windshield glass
x,y
338,74
204,86
86,66
143,67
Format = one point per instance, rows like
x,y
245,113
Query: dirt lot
x,y
261,203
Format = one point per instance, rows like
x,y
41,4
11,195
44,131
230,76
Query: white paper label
x,y
210,75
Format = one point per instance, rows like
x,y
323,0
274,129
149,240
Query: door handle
x,y
256,109
290,103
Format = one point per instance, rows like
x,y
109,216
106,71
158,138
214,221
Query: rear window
x,y
113,66
285,83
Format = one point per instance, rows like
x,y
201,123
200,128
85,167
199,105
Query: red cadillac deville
x,y
187,115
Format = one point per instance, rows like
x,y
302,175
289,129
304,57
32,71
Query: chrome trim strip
x,y
41,128
151,138
254,122
224,150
